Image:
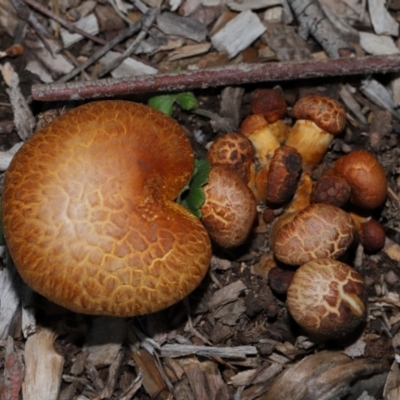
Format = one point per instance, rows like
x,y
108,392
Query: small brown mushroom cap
x,y
283,175
331,189
251,123
365,176
318,231
233,149
325,112
89,214
270,103
230,207
370,232
327,298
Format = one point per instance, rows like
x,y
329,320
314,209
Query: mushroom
x,y
319,119
256,128
317,231
272,106
366,178
277,183
371,234
331,189
233,149
89,213
230,207
327,298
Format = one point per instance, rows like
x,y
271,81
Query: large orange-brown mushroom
x,y
89,213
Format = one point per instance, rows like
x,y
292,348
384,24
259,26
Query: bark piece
x,y
105,340
286,43
238,33
13,374
205,381
382,21
227,294
324,376
313,21
23,117
152,380
43,367
378,45
391,390
173,24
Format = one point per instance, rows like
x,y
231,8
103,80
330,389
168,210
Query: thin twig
x,y
148,20
100,53
221,76
72,28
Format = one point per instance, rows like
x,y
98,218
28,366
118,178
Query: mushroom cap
x,y
327,298
89,213
283,175
331,189
324,111
230,207
233,149
270,103
365,176
252,123
318,231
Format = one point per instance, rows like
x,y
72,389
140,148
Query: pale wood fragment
x,y
238,33
24,120
379,95
313,21
128,68
189,51
89,24
227,294
382,21
43,367
239,5
173,24
9,299
328,374
178,350
377,45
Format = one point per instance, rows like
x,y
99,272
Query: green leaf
x,y
163,103
192,196
187,100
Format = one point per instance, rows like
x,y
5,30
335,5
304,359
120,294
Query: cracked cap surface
x,y
89,213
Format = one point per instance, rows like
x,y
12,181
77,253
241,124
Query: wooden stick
x,y
221,76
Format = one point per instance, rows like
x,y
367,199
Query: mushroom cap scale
x,y
89,213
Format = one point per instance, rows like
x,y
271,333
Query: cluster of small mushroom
x,y
321,219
